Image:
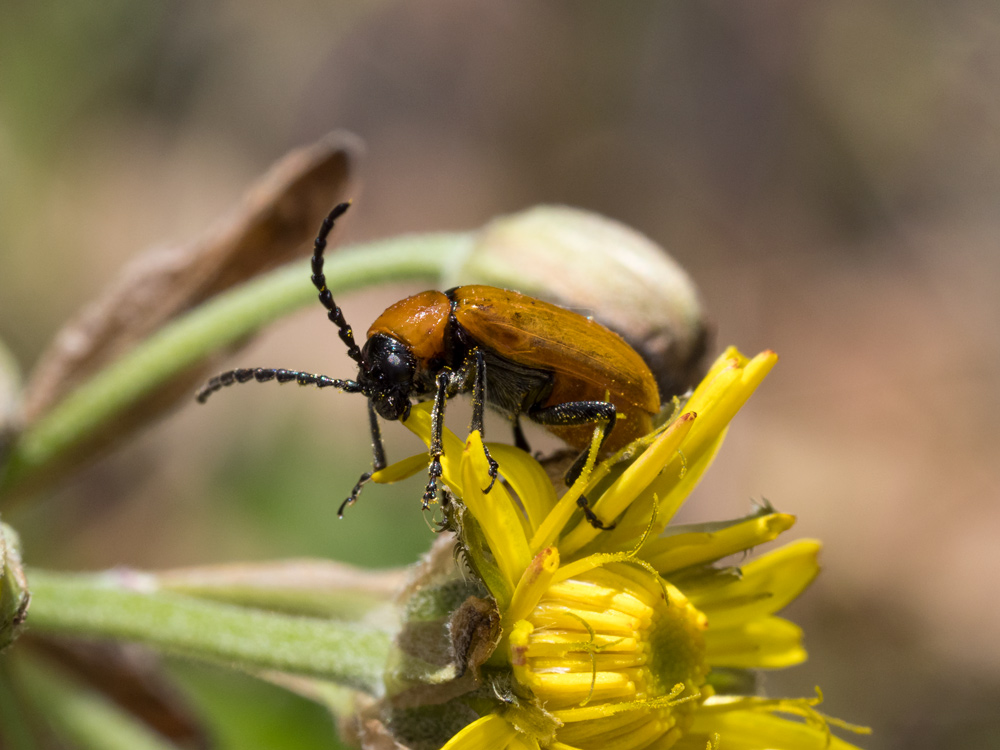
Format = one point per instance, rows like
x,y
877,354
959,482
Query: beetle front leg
x,y
572,413
434,471
378,460
478,404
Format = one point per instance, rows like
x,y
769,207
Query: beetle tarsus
x,y
353,497
493,471
434,473
592,518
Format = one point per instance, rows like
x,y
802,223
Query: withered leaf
x,y
274,224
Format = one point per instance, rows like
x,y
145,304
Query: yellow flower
x,y
630,638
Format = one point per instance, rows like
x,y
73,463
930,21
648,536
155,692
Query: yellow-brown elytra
x,y
519,355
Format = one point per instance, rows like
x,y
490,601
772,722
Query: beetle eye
x,y
396,369
387,362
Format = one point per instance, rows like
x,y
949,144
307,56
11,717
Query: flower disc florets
x,y
612,654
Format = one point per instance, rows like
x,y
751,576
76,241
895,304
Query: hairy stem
x,y
116,606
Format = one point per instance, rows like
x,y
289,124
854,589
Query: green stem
x,y
15,729
222,321
81,717
113,606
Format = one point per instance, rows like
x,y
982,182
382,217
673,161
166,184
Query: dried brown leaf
x,y
274,224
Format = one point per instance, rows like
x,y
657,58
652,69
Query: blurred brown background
x,y
829,174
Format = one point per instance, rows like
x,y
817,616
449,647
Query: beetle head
x,y
386,375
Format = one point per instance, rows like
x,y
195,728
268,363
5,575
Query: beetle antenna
x,y
264,374
325,295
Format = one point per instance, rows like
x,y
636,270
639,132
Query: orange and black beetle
x,y
519,355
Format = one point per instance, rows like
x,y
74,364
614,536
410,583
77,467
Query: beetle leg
x,y
596,522
264,374
572,413
378,460
520,440
378,449
442,382
478,402
353,497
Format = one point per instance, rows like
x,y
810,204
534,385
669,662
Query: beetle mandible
x,y
519,355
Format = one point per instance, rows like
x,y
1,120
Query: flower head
x,y
633,637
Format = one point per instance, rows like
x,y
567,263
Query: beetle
x,y
519,355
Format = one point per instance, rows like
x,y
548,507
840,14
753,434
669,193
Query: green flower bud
x,y
14,596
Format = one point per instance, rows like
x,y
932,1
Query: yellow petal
x,y
488,733
496,513
769,583
766,643
716,401
752,730
419,423
523,742
671,553
671,489
528,480
636,478
533,584
554,523
401,470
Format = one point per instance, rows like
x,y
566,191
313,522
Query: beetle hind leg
x,y
591,517
572,413
520,441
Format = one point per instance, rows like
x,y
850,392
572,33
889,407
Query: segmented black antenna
x,y
325,295
264,374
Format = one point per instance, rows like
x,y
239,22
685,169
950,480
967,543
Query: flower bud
x,y
14,596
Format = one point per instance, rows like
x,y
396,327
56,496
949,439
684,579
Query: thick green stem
x,y
116,606
222,321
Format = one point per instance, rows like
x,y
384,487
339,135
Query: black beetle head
x,y
386,375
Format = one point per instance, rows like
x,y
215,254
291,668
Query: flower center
x,y
614,656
